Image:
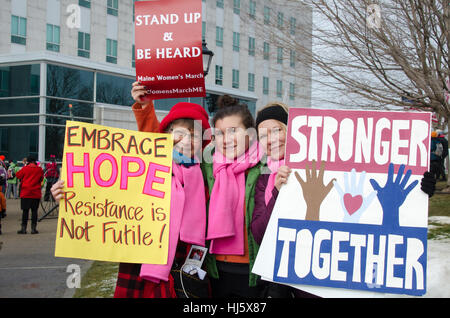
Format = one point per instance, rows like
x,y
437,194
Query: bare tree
x,y
376,54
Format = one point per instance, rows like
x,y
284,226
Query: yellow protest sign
x,y
116,204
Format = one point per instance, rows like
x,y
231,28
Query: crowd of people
x,y
230,199
24,180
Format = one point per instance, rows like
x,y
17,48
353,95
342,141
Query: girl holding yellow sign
x,y
187,219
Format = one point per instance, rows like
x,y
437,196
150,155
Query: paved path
x,y
28,267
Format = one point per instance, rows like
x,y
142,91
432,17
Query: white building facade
x,y
56,53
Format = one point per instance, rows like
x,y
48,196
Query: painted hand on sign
x,y
352,200
314,190
393,194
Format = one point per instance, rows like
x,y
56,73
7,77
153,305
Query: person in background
x,y
3,174
3,180
12,181
436,149
2,196
31,177
51,175
444,142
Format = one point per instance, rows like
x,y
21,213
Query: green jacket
x,y
16,169
250,183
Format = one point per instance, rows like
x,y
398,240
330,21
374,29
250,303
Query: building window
x,y
280,20
266,51
266,15
111,51
291,91
4,83
113,7
18,30
78,84
237,6
21,80
265,85
279,88
59,108
19,106
236,40
133,57
85,3
219,36
53,37
219,3
84,44
252,9
292,25
235,82
251,82
279,55
292,58
19,141
219,75
112,89
251,46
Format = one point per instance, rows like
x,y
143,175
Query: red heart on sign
x,y
352,203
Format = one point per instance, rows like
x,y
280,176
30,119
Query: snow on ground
x,y
439,219
438,271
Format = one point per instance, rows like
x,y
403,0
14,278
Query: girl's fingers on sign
x,y
137,91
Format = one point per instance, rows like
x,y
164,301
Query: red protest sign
x,y
169,48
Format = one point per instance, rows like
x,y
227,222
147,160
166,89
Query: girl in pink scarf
x,y
187,203
188,206
272,128
271,123
188,210
235,164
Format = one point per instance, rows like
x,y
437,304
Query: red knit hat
x,y
185,110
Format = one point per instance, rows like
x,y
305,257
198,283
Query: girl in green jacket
x,y
231,177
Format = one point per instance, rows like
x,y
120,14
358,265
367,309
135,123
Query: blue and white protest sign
x,y
352,219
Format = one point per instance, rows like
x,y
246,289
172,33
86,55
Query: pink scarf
x,y
226,207
187,217
273,167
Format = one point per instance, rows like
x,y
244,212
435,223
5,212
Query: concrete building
x,y
56,53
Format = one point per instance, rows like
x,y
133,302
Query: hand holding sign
x,y
282,176
352,200
393,194
138,91
57,190
314,191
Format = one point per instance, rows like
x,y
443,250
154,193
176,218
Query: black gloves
x,y
428,184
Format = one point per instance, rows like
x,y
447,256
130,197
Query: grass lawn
x,y
439,206
100,279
